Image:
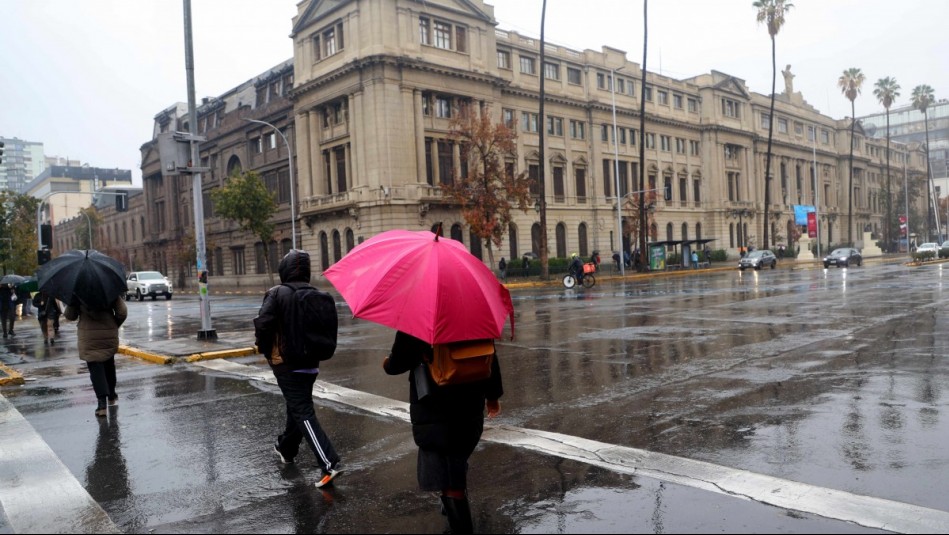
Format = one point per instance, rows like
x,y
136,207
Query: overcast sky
x,y
86,78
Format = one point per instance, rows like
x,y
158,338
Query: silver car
x,y
758,259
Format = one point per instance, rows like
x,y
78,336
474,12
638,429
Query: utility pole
x,y
206,332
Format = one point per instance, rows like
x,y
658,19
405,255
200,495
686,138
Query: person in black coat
x,y
447,426
7,308
47,311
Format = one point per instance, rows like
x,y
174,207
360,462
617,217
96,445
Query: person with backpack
x,y
447,422
295,330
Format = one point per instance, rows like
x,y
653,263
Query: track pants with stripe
x,y
302,424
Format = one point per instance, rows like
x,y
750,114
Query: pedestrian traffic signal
x,y
43,256
667,191
46,235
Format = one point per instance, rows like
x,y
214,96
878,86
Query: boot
x,y
101,409
459,514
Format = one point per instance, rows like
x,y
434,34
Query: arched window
x,y
456,233
337,247
350,240
260,260
561,240
475,245
774,233
744,234
582,238
234,166
274,256
698,231
512,240
654,232
324,252
669,236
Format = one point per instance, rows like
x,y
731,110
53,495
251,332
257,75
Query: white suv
x,y
150,283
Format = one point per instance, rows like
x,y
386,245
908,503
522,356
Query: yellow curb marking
x,y
145,355
244,352
13,377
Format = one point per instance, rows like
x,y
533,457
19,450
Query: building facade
x,y
22,161
366,104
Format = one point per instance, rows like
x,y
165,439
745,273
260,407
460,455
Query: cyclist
x,y
576,267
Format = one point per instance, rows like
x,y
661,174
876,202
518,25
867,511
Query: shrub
x,y
924,256
720,255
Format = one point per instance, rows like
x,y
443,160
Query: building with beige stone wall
x,y
376,82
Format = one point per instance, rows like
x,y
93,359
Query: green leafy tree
x,y
245,200
88,228
923,97
850,83
772,13
490,191
886,90
18,230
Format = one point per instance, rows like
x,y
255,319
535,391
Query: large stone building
x,y
367,100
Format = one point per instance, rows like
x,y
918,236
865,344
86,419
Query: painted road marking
x,y
37,492
866,511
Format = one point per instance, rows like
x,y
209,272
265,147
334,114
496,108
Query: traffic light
x,y
122,201
667,191
1,152
46,235
43,256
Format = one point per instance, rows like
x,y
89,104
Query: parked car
x,y
929,247
843,257
147,283
758,259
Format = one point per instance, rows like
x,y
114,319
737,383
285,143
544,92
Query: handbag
x,y
424,384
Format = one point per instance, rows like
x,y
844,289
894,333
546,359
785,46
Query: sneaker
x,y
114,400
328,477
283,459
101,408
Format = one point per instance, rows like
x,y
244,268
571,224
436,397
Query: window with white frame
x,y
782,125
680,146
443,34
765,121
693,105
555,126
604,132
663,98
693,147
650,140
328,41
631,88
507,116
577,129
665,143
443,107
824,137
648,94
600,80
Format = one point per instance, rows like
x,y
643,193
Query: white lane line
x,y
37,492
866,511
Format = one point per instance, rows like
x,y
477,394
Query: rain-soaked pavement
x,y
787,400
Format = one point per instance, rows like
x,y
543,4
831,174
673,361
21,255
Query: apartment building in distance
x,y
21,162
366,103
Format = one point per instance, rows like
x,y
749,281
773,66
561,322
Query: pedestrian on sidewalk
x,y
98,334
446,425
502,267
23,298
295,373
7,308
47,311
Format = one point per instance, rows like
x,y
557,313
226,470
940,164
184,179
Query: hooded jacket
x,y
98,330
269,329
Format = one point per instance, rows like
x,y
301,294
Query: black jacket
x,y
452,417
269,329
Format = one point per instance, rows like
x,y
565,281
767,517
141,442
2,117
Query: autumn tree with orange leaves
x,y
490,190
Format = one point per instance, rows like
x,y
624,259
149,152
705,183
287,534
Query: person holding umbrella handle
x,y
98,333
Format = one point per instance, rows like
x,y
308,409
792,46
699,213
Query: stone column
x,y
317,184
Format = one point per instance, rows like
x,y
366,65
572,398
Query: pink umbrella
x,y
430,288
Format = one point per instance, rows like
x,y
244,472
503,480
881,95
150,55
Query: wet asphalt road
x,y
831,378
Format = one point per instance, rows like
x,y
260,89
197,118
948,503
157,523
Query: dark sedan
x,y
843,258
758,259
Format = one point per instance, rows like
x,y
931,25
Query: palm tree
x,y
923,97
772,12
642,144
886,91
850,83
542,184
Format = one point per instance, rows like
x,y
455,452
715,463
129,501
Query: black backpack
x,y
312,320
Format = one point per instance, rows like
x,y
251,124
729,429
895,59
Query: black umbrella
x,y
87,276
13,279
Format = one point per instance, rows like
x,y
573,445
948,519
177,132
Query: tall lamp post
x,y
619,196
293,204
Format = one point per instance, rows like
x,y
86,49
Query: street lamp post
x,y
619,217
293,204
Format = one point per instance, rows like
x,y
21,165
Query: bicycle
x,y
587,279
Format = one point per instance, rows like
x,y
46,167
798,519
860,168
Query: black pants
x,y
103,377
8,317
297,391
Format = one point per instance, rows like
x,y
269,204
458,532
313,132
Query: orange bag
x,y
461,362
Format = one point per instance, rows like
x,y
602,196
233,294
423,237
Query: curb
x,y
145,355
13,377
242,352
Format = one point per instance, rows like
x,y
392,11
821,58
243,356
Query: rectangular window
x,y
680,146
329,43
443,35
650,140
443,107
824,137
600,80
697,191
631,88
551,71
607,182
604,133
581,177
529,122
317,48
341,182
683,188
623,175
429,162
782,125
577,130
237,256
663,98
257,145
527,65
504,59
765,120
620,86
272,138
508,117
461,39
798,128
425,30
730,108
648,94
810,133
558,184
533,172
446,170
693,105
555,126
665,142
574,76
622,136
633,136
677,101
